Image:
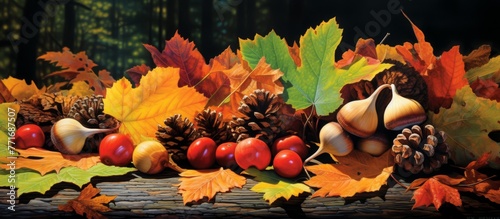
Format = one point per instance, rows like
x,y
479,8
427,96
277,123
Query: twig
x,y
399,183
473,184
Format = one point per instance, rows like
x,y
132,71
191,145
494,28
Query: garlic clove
x,y
333,140
402,112
68,135
359,117
375,145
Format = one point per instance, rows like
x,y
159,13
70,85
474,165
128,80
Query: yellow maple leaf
x,y
19,88
140,110
80,88
388,52
196,184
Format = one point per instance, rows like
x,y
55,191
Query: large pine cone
x,y
89,111
176,136
261,117
209,124
418,149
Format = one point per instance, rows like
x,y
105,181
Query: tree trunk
x,y
69,25
33,16
207,44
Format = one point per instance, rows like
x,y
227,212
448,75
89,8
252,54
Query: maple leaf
x,y
44,161
467,124
196,184
357,172
80,88
137,72
385,52
488,70
317,82
479,183
435,192
227,58
78,67
5,95
88,203
294,51
477,57
274,186
141,109
486,88
364,48
19,89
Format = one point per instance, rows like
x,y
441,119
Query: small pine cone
x,y
176,136
418,149
89,111
261,117
209,124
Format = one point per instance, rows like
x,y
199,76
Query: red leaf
x,y
364,48
445,79
486,88
137,72
434,192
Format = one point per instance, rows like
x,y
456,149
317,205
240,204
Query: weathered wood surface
x,y
140,196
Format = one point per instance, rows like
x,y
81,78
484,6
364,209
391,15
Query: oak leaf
x,y
44,161
78,67
137,72
435,192
196,184
356,173
88,203
274,186
141,109
19,89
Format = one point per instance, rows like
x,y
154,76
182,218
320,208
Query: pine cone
x,y
418,150
176,136
89,111
261,117
209,124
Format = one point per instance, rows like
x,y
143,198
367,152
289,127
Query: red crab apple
x,y
224,155
116,149
291,142
201,153
29,135
287,164
252,152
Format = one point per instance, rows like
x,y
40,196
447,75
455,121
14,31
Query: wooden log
x,y
142,196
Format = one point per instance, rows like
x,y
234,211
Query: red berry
x,y
291,142
252,152
287,164
116,149
201,153
224,155
29,135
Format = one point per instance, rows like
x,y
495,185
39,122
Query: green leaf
x,y
491,68
467,124
5,109
316,82
29,181
274,186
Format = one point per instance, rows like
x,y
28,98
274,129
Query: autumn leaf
x,y
467,124
488,70
435,192
137,72
227,58
19,89
88,203
385,52
364,48
44,161
196,184
317,82
80,88
444,80
480,183
356,173
477,57
274,186
486,88
31,181
141,109
5,95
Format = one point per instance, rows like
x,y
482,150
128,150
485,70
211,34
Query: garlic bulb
x,y
150,157
359,117
69,136
333,140
402,112
375,145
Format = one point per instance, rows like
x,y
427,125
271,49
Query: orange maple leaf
x,y
78,67
357,172
137,72
196,184
435,192
45,161
294,51
88,203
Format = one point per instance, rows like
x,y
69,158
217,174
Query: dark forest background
x,y
112,31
